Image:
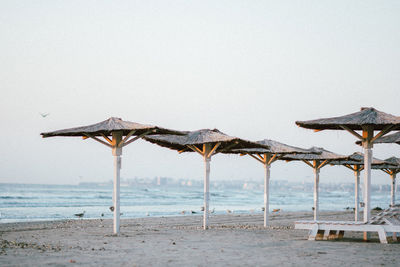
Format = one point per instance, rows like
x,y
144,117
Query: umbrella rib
x,y
261,157
214,149
97,139
352,132
133,139
273,159
196,149
128,135
349,166
107,139
323,163
182,150
254,157
308,163
383,132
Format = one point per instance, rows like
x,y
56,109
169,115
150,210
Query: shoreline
x,y
233,239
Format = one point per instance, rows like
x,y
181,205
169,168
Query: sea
x,y
33,202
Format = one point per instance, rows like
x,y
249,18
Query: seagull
x,y
44,115
112,208
80,215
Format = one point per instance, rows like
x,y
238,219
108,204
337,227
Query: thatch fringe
x,y
355,121
111,125
201,137
323,155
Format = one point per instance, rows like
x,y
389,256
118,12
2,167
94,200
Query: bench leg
x,y
313,232
366,236
327,234
340,234
320,235
394,237
382,236
333,234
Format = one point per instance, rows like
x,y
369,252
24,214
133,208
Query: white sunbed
x,y
387,221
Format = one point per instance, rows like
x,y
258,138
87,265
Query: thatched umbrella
x,y
392,168
391,138
117,134
315,161
367,120
355,162
267,157
207,143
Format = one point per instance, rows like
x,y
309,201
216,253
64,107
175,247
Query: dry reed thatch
x,y
108,126
393,164
355,121
201,137
323,155
275,148
392,138
357,158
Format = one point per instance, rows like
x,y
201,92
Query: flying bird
x,y
44,115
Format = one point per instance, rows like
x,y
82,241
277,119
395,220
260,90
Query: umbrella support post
x,y
393,190
357,195
316,192
117,152
206,192
267,168
367,180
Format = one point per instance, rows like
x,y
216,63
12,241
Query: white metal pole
x,y
357,194
117,152
393,190
267,168
367,177
367,180
117,164
316,189
206,191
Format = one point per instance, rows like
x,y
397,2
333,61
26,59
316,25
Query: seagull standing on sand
x,y
80,215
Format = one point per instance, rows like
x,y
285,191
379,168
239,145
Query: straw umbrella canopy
x,y
355,162
207,143
267,157
114,133
368,120
391,138
316,161
392,168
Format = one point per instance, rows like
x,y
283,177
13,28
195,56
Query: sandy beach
x,y
232,240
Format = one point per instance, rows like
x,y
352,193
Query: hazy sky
x,y
248,68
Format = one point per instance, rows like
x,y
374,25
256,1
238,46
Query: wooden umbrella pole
x,y
267,168
393,190
357,194
316,192
117,152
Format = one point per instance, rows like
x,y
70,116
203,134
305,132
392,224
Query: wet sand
x,y
232,240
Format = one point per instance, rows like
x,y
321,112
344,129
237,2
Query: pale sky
x,y
248,68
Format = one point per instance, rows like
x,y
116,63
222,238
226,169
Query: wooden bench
x,y
327,230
